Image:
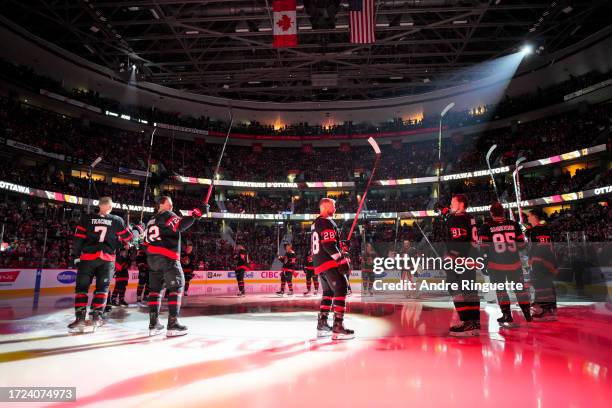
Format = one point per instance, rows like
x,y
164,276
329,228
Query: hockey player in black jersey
x,y
122,265
96,240
188,263
331,266
368,275
311,277
142,291
243,264
461,239
501,239
543,267
289,261
163,242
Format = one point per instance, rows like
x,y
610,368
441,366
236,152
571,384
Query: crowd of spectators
x,y
508,106
75,138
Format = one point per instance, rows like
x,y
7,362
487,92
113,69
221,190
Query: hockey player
x,y
461,238
122,265
368,270
501,240
345,248
243,264
188,263
96,240
543,268
311,277
289,261
142,291
163,242
331,266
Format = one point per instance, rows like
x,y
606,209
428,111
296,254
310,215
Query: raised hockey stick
x,y
212,182
397,223
376,148
517,187
144,194
488,157
426,239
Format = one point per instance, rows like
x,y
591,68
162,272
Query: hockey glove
x,y
344,266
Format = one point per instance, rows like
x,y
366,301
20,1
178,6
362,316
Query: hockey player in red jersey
x,y
501,240
163,242
289,261
543,267
331,266
461,239
243,264
96,240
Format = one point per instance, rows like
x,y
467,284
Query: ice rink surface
x,y
262,351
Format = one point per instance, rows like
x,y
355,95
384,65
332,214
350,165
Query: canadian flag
x,y
285,23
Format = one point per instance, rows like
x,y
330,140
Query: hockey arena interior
x,y
306,203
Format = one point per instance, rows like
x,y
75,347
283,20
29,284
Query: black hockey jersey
x,y
188,262
99,237
501,240
289,261
243,262
141,257
163,234
122,262
308,265
541,251
461,235
325,245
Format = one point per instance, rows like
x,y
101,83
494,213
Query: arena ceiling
x,y
224,48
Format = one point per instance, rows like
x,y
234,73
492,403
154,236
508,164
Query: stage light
x,y
527,49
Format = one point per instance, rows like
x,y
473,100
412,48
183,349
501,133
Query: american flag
x,y
361,16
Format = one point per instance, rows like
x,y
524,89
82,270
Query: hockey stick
x,y
277,240
376,148
439,167
426,239
144,193
212,182
517,187
488,157
489,153
236,234
397,223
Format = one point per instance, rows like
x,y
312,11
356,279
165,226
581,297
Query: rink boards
x,y
26,280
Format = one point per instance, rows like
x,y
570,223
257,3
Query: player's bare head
x,y
106,205
239,247
188,247
496,209
165,203
459,203
535,216
327,207
288,246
